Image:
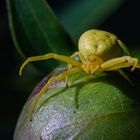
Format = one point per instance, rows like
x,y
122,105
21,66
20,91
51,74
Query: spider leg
x,y
124,47
51,80
138,66
74,55
124,75
120,62
63,58
70,65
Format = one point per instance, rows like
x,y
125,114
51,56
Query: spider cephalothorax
x,y
98,51
92,63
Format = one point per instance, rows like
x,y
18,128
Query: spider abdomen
x,y
99,43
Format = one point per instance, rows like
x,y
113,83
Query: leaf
x,y
99,106
37,31
80,15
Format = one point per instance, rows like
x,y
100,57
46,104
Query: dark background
x,y
124,23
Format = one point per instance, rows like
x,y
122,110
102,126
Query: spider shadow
x,y
117,81
132,91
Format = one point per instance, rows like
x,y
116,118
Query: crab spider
x,y
98,51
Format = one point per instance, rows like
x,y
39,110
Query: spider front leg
x,y
63,58
51,80
121,62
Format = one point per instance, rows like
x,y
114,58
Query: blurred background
x,y
121,18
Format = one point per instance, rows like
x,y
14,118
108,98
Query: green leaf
x,y
99,106
37,31
78,16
